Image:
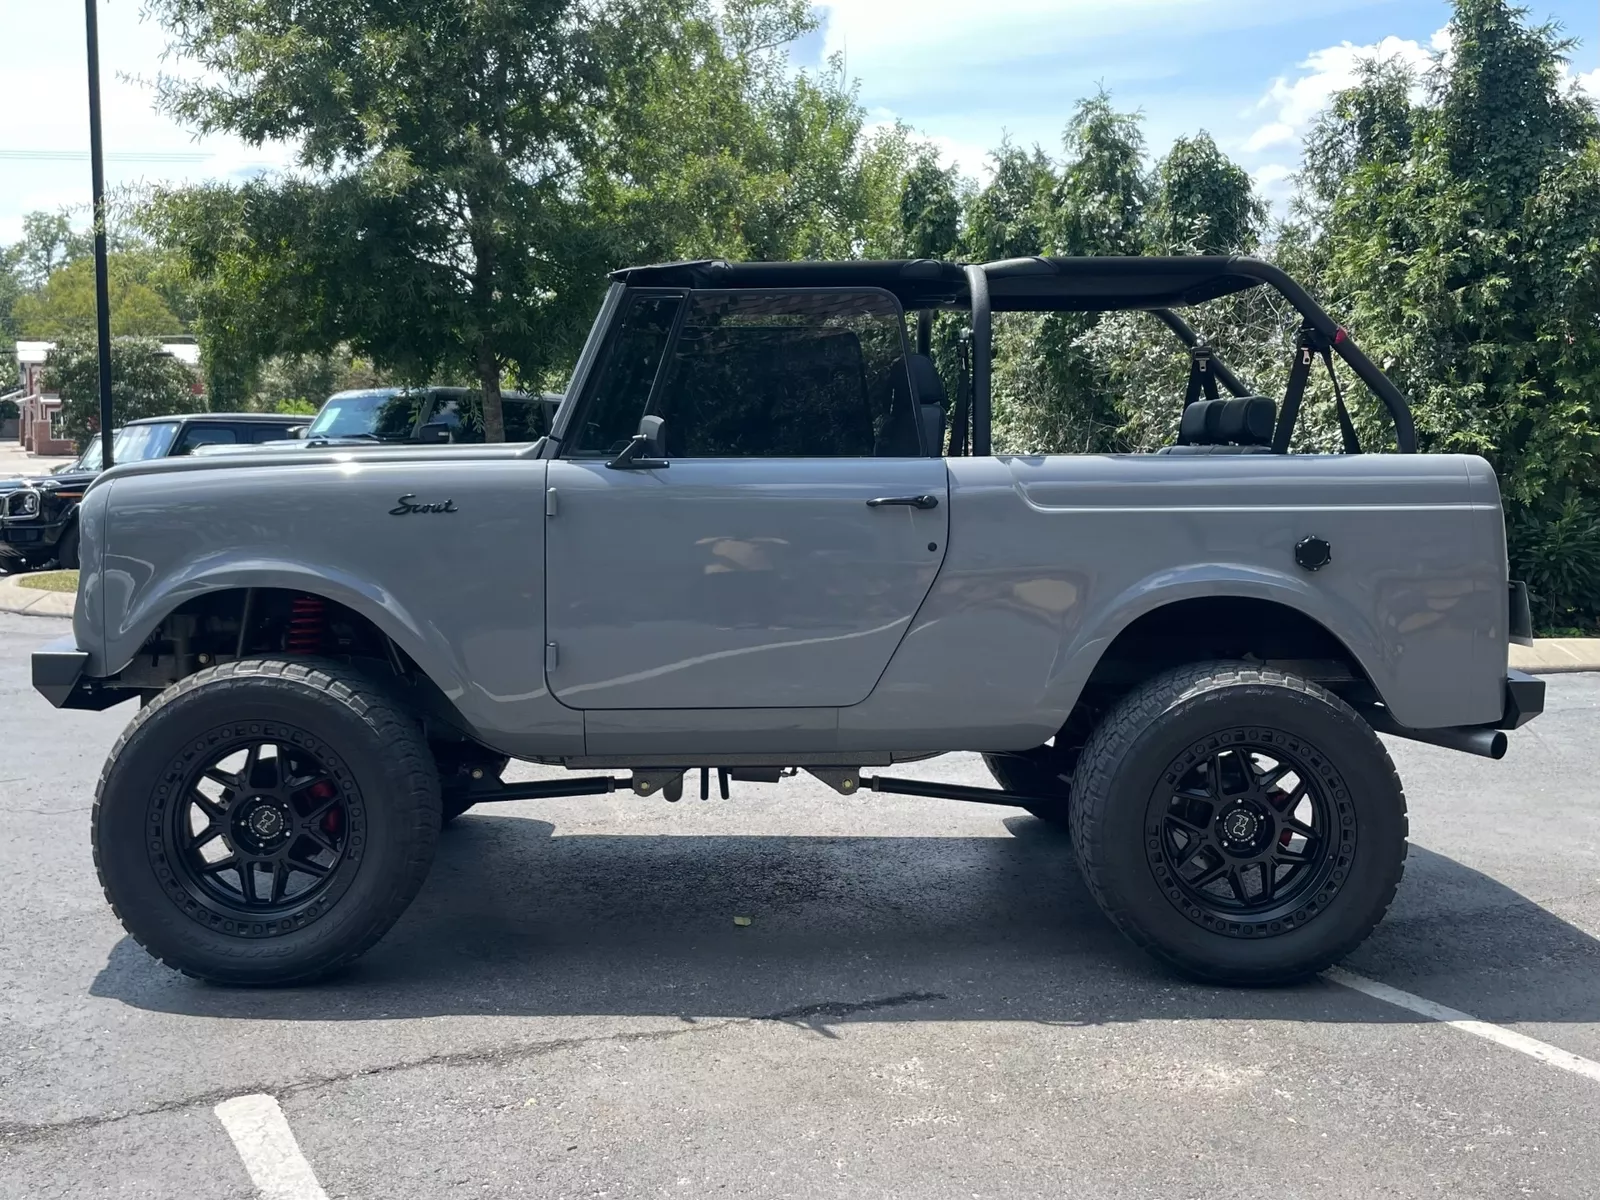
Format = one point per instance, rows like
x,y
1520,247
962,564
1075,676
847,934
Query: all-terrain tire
x,y
1138,752
379,768
1027,778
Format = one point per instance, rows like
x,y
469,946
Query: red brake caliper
x,y
323,789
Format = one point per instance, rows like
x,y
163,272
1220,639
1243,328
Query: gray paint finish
x,y
685,602
462,593
731,583
1051,557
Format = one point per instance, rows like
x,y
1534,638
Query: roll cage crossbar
x,y
1158,285
1319,333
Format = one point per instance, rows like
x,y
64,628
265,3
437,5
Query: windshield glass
x,y
385,415
133,444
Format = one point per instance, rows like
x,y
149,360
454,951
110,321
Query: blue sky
x,y
1252,72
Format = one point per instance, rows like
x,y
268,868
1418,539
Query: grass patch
x,y
49,581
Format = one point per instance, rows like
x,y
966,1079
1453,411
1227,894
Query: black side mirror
x,y
654,430
650,440
435,431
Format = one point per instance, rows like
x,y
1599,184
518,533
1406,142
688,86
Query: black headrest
x,y
1241,421
925,381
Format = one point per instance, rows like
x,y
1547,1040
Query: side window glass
x,y
524,419
623,378
203,435
808,374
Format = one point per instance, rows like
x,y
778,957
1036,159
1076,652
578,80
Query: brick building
x,y
40,411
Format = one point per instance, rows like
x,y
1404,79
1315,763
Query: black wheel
x,y
1241,824
67,549
265,821
1035,773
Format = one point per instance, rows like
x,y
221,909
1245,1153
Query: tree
x,y
439,145
145,382
1008,218
930,207
1202,203
65,306
1461,237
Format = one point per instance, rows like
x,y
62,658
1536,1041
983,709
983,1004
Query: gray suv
x,y
764,534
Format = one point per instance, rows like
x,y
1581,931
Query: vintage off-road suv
x,y
749,543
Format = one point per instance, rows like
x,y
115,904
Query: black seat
x,y
1241,425
923,403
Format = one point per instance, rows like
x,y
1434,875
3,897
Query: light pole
x,y
102,283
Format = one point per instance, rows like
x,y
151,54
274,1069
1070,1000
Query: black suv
x,y
38,513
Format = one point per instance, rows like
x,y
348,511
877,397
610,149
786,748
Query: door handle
x,y
908,501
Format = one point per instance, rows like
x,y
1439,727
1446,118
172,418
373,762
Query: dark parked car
x,y
398,416
39,513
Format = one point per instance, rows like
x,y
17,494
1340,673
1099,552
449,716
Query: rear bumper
x,y
1524,700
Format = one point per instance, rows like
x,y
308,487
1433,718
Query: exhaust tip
x,y
1498,744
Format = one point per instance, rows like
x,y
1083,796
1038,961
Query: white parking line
x,y
262,1136
1467,1023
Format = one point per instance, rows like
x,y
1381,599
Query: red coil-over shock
x,y
308,625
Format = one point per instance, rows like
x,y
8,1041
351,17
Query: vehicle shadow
x,y
515,921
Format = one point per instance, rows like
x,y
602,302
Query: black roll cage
x,y
1149,283
1319,334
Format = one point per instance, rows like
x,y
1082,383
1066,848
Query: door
x,y
779,557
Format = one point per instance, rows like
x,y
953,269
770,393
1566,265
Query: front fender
x,y
143,608
459,589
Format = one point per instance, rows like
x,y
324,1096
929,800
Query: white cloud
x,y
1295,103
1275,134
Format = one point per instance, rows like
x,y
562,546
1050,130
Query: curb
x,y
14,598
1547,656
1553,656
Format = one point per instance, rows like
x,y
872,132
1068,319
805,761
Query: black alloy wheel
x,y
266,821
1242,824
263,829
1248,834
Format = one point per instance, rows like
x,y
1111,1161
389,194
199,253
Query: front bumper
x,y
58,676
29,535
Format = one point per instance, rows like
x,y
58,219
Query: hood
x,y
75,481
297,453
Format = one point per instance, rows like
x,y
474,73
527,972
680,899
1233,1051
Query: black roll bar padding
x,y
925,332
982,352
1405,429
1191,339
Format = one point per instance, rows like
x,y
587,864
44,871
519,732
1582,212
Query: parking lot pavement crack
x,y
14,1134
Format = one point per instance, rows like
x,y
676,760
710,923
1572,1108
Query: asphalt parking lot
x,y
925,1003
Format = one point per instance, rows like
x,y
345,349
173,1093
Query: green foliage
x,y
64,307
1202,203
294,407
1460,238
930,208
1558,555
145,382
